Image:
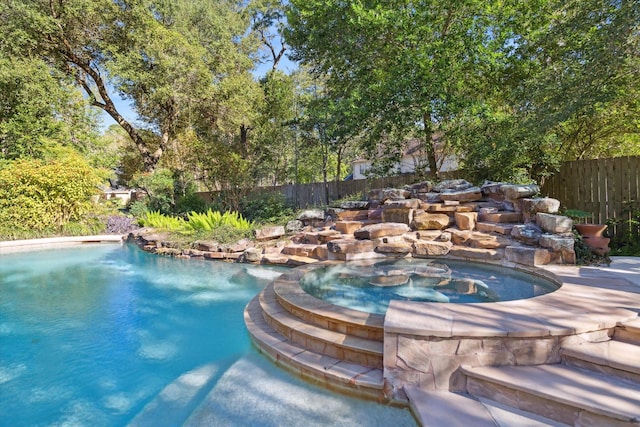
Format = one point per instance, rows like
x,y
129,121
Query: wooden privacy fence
x,y
609,189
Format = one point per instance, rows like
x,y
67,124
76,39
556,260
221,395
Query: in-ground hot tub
x,y
370,286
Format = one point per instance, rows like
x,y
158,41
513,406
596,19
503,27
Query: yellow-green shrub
x,y
47,194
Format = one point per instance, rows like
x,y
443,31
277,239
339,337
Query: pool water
x,y
370,286
108,335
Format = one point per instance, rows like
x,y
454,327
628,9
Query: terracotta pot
x,y
598,245
592,237
591,230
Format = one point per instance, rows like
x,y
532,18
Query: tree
x,y
407,66
168,58
40,110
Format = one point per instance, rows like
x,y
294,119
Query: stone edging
x,y
13,246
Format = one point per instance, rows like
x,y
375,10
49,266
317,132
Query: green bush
x,y
45,195
268,207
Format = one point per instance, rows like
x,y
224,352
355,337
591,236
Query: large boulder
x,y
530,207
555,224
383,194
431,221
527,255
470,194
268,233
514,191
401,215
466,220
529,234
384,229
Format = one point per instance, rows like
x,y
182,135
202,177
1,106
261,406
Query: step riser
x,y
535,404
608,370
628,336
375,334
323,347
269,343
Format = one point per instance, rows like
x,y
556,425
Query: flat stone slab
x,y
374,231
614,354
575,388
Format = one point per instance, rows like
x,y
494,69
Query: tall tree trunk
x,y
428,145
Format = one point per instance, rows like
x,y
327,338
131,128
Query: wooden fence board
x,y
604,187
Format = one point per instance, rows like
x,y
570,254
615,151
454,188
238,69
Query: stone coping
x,y
13,246
580,305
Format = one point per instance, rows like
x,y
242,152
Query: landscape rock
x,y
466,220
530,207
268,233
207,245
350,246
384,194
475,253
513,191
555,224
294,226
251,255
394,248
427,248
373,231
400,215
355,204
527,255
557,243
428,197
311,215
239,246
429,234
420,187
452,185
402,204
347,227
358,215
493,190
468,195
459,237
529,234
431,221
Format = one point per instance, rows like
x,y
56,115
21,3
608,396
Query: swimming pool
x,y
107,335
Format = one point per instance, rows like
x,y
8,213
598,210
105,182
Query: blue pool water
x,y
109,335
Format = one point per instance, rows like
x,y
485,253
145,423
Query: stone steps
x,y
609,357
436,409
327,371
323,341
567,394
325,315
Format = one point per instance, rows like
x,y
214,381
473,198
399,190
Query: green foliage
x,y
267,208
211,223
627,243
47,194
224,234
40,109
211,220
155,219
166,192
